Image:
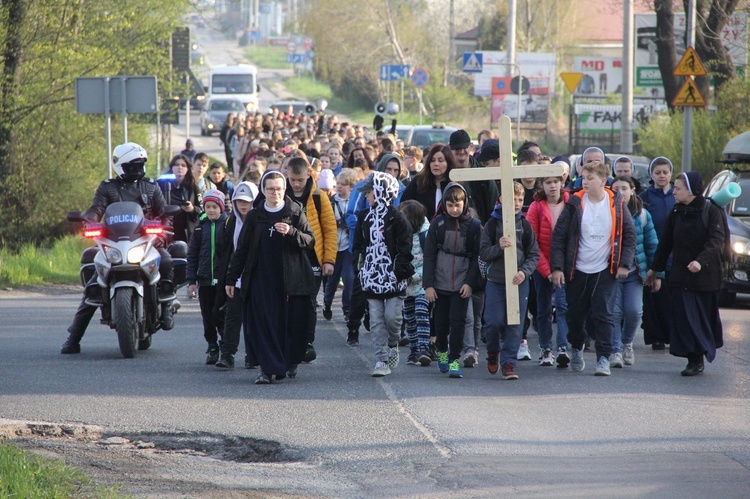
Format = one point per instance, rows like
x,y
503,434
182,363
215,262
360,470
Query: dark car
x,y
215,111
736,157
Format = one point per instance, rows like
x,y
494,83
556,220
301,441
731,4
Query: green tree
x,y
51,159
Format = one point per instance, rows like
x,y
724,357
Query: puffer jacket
x,y
206,262
527,255
447,265
323,224
646,242
415,283
565,237
541,221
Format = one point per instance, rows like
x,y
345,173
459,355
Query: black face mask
x,y
132,172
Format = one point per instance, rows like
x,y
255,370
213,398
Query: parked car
x,y
736,157
215,111
426,135
298,107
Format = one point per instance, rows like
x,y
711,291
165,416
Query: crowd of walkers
x,y
315,205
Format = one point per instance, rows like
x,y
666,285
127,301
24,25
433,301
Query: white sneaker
x,y
393,357
381,369
469,359
546,358
602,367
628,356
615,360
523,351
576,360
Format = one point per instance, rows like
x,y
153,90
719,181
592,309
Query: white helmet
x,y
129,161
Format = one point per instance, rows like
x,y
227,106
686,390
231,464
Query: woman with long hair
x,y
182,191
427,186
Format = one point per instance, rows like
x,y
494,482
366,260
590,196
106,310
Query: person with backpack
x,y
301,187
629,302
696,243
416,306
451,273
491,252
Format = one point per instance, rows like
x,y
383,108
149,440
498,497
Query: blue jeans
x,y
545,290
342,270
496,320
628,310
591,302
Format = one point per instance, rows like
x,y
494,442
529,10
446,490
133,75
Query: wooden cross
x,y
507,172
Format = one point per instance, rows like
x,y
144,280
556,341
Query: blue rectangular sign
x,y
295,58
393,72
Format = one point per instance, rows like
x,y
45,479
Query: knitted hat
x,y
215,196
326,180
490,150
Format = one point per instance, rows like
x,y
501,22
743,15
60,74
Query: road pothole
x,y
203,444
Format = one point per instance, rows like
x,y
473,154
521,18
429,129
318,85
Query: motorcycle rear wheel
x,y
125,321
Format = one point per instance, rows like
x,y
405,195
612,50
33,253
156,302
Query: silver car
x,y
215,111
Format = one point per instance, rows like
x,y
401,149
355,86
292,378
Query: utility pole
x,y
626,128
511,35
687,131
451,34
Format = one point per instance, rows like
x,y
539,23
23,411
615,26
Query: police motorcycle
x,y
126,262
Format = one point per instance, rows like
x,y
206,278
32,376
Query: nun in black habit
x,y
695,279
271,257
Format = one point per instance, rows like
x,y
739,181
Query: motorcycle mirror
x,y
75,216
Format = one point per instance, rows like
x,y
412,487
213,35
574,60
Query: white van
x,y
238,81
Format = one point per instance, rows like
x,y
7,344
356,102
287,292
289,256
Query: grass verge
x,y
25,475
268,57
36,266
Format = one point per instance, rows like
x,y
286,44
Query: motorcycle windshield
x,y
123,221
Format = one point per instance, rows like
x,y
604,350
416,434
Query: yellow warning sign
x,y
571,80
690,65
689,95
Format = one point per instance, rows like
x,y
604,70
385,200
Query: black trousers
x,y
591,303
450,321
357,306
207,297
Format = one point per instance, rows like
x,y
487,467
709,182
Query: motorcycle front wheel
x,y
125,321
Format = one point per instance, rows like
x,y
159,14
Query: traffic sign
x,y
525,85
393,72
689,95
291,47
295,58
308,43
571,80
690,65
472,62
420,78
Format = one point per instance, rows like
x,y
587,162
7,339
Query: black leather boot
x,y
72,344
167,319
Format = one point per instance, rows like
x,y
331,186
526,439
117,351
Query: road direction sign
x,y
689,95
690,65
571,80
420,78
472,62
393,72
524,83
295,58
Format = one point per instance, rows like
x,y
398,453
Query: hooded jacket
x,y
234,223
323,224
382,247
381,168
415,287
567,233
527,249
448,266
206,262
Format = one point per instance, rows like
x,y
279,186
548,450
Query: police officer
x,y
129,163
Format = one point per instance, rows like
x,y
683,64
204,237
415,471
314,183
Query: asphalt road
x,y
644,431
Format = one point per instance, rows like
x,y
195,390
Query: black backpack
x,y
726,250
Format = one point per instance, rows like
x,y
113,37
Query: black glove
x,y
393,128
377,123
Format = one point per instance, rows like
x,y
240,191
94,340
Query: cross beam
x,y
506,171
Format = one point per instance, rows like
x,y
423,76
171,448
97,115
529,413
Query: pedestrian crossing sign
x,y
689,95
690,65
472,62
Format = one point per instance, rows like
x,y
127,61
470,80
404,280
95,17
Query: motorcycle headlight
x,y
113,255
136,253
740,245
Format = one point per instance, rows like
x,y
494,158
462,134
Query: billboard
x,y
604,119
532,64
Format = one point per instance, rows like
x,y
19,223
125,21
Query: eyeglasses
x,y
275,189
